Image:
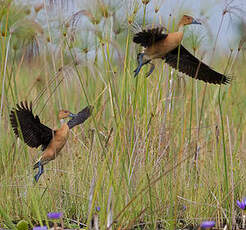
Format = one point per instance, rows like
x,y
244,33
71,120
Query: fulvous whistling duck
x,y
29,128
157,44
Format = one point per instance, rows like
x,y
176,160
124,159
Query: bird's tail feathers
x,y
135,28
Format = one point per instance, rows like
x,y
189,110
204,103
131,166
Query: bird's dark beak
x,y
73,115
194,21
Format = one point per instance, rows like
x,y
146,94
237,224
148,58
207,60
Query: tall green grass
x,y
155,151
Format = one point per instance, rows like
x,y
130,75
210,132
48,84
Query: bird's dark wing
x,y
28,127
150,36
80,117
193,67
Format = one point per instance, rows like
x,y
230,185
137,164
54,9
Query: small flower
x,y
207,224
55,215
40,228
97,208
242,204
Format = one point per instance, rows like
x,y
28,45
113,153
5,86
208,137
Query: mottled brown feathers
x,y
148,37
82,116
28,127
193,67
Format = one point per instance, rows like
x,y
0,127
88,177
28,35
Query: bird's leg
x,y
40,171
151,69
140,63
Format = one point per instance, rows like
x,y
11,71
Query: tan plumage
x,y
157,44
160,48
29,128
55,146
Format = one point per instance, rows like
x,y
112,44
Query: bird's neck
x,y
180,32
62,121
181,28
64,124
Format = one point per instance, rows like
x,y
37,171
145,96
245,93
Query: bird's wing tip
x,y
90,108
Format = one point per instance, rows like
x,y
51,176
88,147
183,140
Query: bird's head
x,y
188,20
65,114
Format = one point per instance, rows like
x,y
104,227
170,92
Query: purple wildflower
x,y
40,228
97,208
55,215
207,224
242,204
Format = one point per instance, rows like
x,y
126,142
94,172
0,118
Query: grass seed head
x,y
38,7
145,2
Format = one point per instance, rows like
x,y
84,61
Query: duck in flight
x,y
158,44
29,128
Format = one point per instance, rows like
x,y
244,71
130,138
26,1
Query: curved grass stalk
x,y
4,76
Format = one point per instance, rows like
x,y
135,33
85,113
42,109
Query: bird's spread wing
x,y
149,36
80,117
28,127
193,67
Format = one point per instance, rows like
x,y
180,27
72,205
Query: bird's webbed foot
x,y
40,171
151,69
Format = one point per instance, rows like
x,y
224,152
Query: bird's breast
x,y
61,137
57,143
